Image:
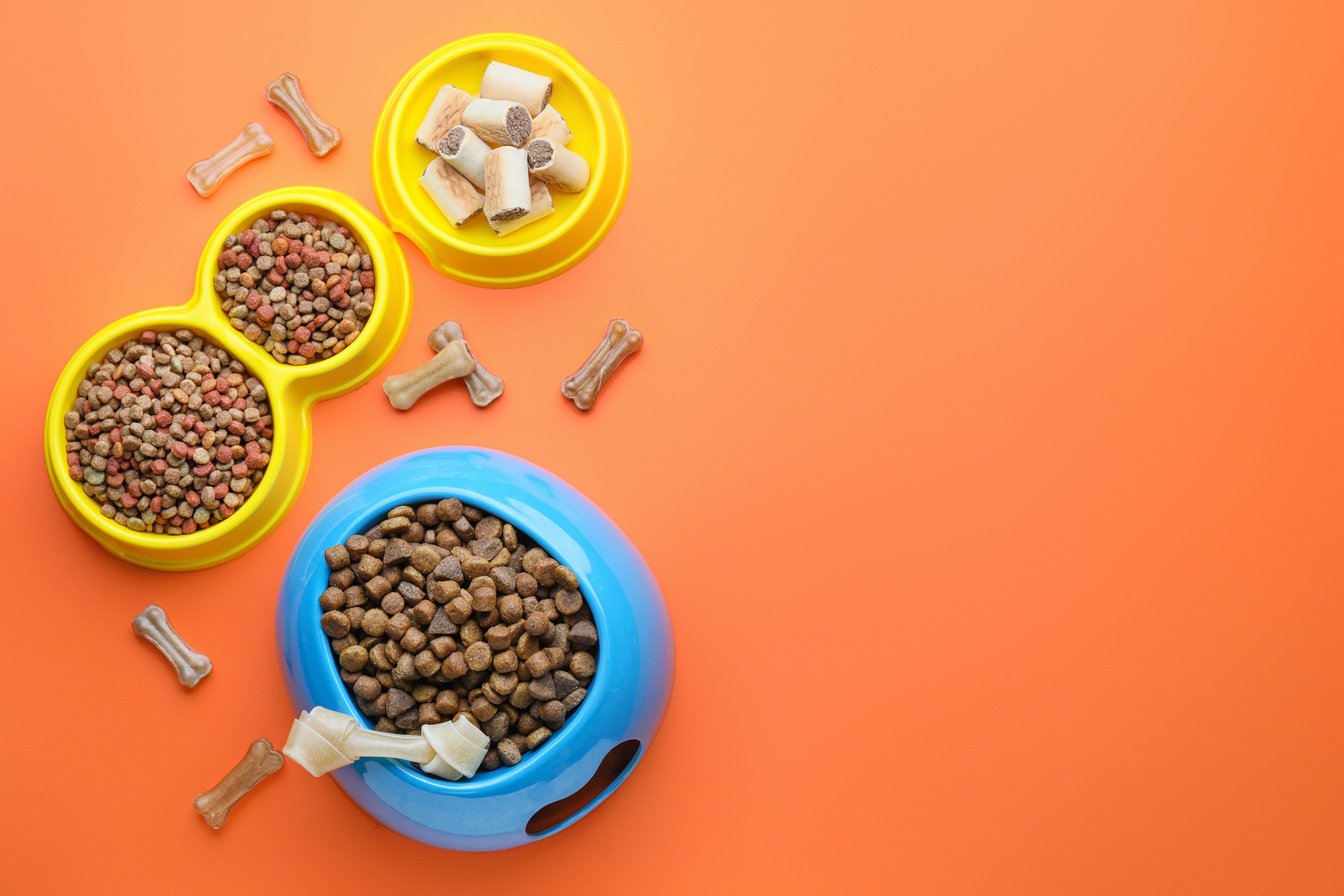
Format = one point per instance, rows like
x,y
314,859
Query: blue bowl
x,y
596,749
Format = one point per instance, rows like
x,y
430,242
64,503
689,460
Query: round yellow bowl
x,y
547,247
291,390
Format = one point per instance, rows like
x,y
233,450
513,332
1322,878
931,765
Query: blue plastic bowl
x,y
559,783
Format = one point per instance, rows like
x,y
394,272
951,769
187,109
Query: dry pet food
x,y
251,143
441,611
620,342
287,93
479,139
152,624
169,434
483,385
452,362
260,761
300,287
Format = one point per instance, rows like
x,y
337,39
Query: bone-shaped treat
x,y
287,93
620,342
452,362
251,143
260,761
324,740
483,385
152,624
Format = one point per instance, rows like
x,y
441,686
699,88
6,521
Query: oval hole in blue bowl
x,y
615,763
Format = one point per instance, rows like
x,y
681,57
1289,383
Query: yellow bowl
x,y
291,390
545,248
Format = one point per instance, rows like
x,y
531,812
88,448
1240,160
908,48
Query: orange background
x,y
986,442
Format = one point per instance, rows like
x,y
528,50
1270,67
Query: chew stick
x,y
507,194
466,152
501,122
507,82
558,166
552,125
251,143
451,192
444,114
542,205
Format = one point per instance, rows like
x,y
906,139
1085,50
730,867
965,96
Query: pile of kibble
x,y
169,434
442,610
296,285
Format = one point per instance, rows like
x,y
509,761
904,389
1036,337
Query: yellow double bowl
x,y
472,254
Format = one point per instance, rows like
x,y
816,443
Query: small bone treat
x,y
444,114
508,194
152,624
620,342
562,168
507,82
287,93
452,362
501,122
251,143
542,205
551,125
451,192
466,152
260,761
483,385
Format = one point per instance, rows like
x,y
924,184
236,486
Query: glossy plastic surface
x,y
473,253
626,699
291,390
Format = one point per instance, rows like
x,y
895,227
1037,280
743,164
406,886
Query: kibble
x,y
300,287
169,434
441,609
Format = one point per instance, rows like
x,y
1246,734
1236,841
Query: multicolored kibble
x,y
300,287
169,433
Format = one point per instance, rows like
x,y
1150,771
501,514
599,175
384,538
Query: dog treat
x,y
620,342
542,205
560,167
168,433
300,287
551,125
315,753
444,114
483,385
324,740
508,194
459,747
493,632
260,761
507,82
287,93
452,362
451,192
251,143
466,152
152,624
501,122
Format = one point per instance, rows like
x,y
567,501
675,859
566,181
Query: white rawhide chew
x,y
287,93
551,125
466,152
444,114
502,122
452,361
542,205
483,385
152,624
251,143
451,192
507,192
558,166
507,82
324,740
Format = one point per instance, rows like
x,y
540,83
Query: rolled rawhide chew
x,y
507,191
444,114
542,205
451,192
466,152
502,122
551,125
508,82
557,165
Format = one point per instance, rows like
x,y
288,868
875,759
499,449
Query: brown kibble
x,y
485,548
565,576
393,603
575,697
414,640
537,624
354,658
506,661
441,591
337,557
332,599
506,580
552,712
442,646
482,591
424,612
398,625
489,527
582,664
566,601
375,622
393,526
455,666
509,754
525,585
405,668
398,702
459,609
544,572
498,637
479,656
367,688
483,709
521,698
440,624
386,725
450,510
446,703
503,682
355,596
583,635
368,567
538,737
497,727
527,723
398,551
510,608
426,663
475,567
408,720
357,545
335,623
470,632
428,714
425,558
448,568
542,687
379,658
378,587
